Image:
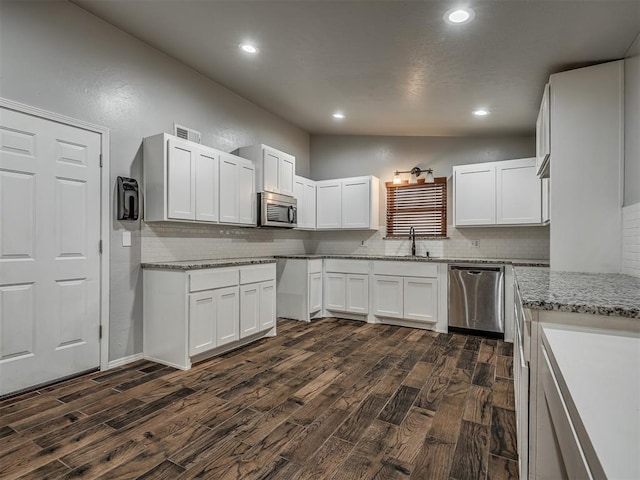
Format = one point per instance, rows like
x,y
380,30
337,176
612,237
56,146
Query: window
x,y
419,205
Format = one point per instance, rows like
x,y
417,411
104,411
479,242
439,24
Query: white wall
x,y
632,124
56,56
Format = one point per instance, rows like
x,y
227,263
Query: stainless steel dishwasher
x,y
476,297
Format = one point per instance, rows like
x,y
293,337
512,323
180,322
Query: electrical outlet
x,y
475,243
363,243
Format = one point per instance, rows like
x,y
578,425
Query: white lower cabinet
x,y
420,299
336,292
222,307
315,292
357,296
213,319
346,286
299,288
406,291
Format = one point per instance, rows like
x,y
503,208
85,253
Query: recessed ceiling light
x,y
338,116
481,112
248,48
458,16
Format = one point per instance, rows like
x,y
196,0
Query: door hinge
x,y
100,331
100,160
100,247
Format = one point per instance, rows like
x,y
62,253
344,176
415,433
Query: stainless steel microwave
x,y
275,210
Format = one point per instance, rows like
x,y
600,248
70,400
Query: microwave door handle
x,y
290,214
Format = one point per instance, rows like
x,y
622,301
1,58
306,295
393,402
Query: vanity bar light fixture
x,y
417,171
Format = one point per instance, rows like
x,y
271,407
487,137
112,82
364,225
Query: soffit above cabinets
x,y
392,67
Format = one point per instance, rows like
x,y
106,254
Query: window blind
x,y
419,205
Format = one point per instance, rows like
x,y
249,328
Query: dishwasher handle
x,y
475,270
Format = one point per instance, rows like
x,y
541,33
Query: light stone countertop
x,y
215,263
593,293
409,258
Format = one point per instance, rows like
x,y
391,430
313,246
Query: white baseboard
x,y
124,360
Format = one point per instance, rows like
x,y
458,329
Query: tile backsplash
x,y
177,241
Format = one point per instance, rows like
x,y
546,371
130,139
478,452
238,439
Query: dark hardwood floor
x,y
334,399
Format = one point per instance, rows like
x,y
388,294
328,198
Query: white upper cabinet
x,y
543,135
237,190
474,189
329,205
519,192
181,180
275,169
305,192
348,203
497,193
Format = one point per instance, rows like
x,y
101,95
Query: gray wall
x,y
632,125
56,56
336,156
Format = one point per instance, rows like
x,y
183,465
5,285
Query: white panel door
x,y
267,304
49,260
387,296
475,194
357,293
249,310
229,187
519,192
270,170
356,203
181,178
247,199
206,181
421,299
335,290
546,205
227,315
202,321
286,172
315,292
329,205
310,204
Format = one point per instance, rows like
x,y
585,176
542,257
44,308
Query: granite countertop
x,y
408,258
216,263
595,293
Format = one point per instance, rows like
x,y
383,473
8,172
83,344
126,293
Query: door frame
x,y
105,213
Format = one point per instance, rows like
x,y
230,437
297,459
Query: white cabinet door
x,y
356,203
181,180
267,306
249,310
518,192
286,172
475,194
315,292
298,193
202,321
270,170
227,315
335,290
309,204
247,199
387,296
357,294
543,134
206,185
421,299
329,205
546,199
229,187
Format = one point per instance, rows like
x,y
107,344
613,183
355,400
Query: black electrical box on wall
x,y
128,199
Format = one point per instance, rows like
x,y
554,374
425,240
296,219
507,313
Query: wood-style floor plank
x,y
333,399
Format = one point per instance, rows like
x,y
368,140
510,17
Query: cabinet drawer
x,y
213,278
406,269
257,273
346,266
315,266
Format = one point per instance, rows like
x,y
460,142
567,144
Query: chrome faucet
x,y
412,236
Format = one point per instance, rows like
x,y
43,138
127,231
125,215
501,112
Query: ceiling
x,y
392,67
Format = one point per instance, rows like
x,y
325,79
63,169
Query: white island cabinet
x,y
194,314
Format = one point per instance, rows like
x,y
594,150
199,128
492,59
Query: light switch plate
x,y
126,238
